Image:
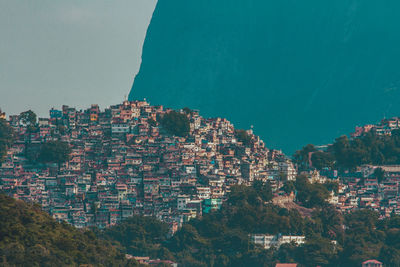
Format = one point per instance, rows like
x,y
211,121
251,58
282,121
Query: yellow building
x,y
94,117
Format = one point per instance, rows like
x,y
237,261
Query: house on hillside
x,y
268,241
372,263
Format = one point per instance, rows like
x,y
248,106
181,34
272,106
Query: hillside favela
x,y
97,167
223,133
172,187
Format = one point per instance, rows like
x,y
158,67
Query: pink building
x,y
372,263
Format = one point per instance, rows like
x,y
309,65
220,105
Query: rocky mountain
x,y
299,71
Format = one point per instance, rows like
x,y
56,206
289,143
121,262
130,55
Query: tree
x,y
390,256
187,110
141,236
31,237
310,195
332,186
175,123
152,122
340,149
264,189
379,174
289,187
318,251
369,148
28,118
221,237
321,160
362,238
54,152
302,157
346,154
6,137
243,137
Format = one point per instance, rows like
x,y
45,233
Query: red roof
x,y
372,261
286,265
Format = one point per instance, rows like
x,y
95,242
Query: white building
x,y
268,241
120,128
203,192
287,168
182,200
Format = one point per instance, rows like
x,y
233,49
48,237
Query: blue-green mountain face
x,y
300,71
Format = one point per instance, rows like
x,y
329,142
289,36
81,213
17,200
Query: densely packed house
x,y
122,162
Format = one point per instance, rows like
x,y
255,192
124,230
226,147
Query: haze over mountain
x,y
299,71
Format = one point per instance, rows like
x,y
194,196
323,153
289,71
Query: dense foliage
x,y
221,238
367,149
302,156
54,152
322,160
311,195
347,154
367,237
29,119
243,137
175,123
187,110
6,137
30,237
140,236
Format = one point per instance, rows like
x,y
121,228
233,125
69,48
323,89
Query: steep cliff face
x,y
299,71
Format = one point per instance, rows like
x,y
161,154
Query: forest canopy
x,y
30,237
221,238
175,123
347,154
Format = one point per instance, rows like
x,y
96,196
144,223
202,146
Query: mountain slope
x,y
299,71
30,237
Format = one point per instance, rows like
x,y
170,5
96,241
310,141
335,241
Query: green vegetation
x,y
140,236
301,157
243,137
187,110
54,152
221,238
311,195
175,123
28,118
6,137
367,238
379,173
30,237
346,154
152,122
322,160
367,149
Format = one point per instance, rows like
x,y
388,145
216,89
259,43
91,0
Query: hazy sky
x,y
73,52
